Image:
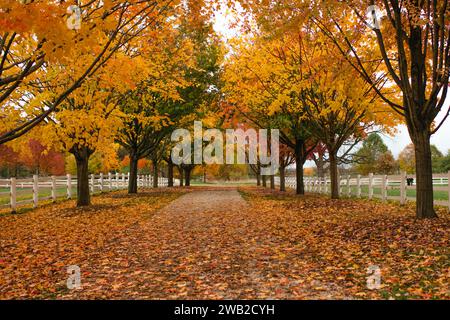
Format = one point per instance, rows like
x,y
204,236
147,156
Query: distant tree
x,y
42,160
444,164
368,156
436,159
9,161
386,163
407,160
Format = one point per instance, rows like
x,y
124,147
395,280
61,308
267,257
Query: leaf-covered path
x,y
200,246
210,243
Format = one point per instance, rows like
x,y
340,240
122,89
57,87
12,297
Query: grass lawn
x,y
411,193
27,193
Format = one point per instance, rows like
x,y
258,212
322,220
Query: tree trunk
x,y
132,183
170,174
299,161
264,180
334,175
424,177
282,178
258,180
320,163
155,174
180,171
83,192
272,182
187,175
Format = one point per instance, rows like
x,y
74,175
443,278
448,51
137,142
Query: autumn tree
x,y
407,159
413,44
318,155
40,37
287,158
368,155
42,159
263,86
339,115
386,163
151,110
89,119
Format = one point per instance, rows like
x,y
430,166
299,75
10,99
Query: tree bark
x,y
170,174
272,182
320,163
82,155
299,161
264,180
282,178
334,175
258,180
132,183
155,174
424,177
180,171
187,175
83,192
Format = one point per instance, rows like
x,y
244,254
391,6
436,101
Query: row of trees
x,y
137,69
399,69
133,72
375,157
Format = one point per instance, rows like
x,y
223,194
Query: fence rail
x,y
18,192
383,187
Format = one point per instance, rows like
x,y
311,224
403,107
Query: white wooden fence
x,y
384,187
31,191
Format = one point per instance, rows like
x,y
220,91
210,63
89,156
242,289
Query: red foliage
x,y
38,158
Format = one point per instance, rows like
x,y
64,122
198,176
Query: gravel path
x,y
207,201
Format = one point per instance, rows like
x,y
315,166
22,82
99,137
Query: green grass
x,y
27,193
410,193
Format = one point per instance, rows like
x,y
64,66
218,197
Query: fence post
x,y
349,190
448,190
53,188
384,188
117,180
370,186
358,186
340,184
69,186
101,182
110,181
123,180
403,188
35,190
92,183
13,193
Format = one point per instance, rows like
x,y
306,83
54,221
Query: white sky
x,y
396,143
